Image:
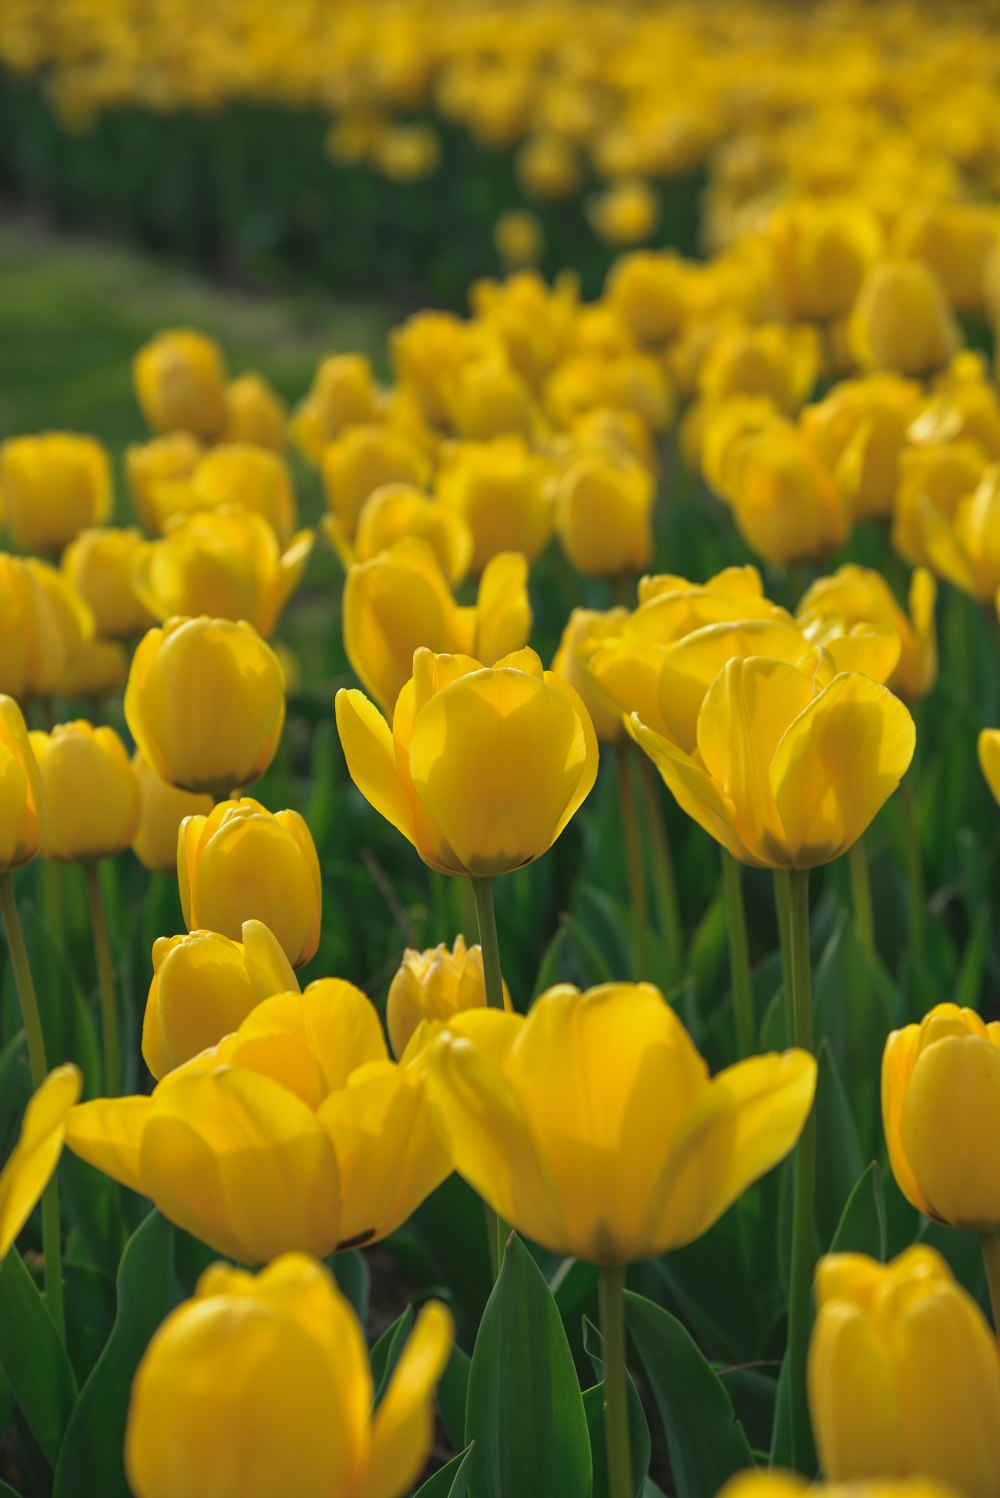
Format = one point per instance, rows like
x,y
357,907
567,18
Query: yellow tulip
x,y
519,238
627,212
361,460
398,511
232,475
933,481
530,319
790,765
162,462
427,353
587,630
98,669
775,1484
242,862
32,1162
604,515
483,767
259,1386
204,985
435,985
822,250
502,490
859,599
98,564
592,1125
626,381
954,239
904,1374
255,414
963,410
205,703
649,289
487,398
941,1111
294,1132
775,361
408,153
22,800
180,383
965,547
858,432
226,563
90,792
36,650
901,320
343,394
548,167
989,758
54,486
162,809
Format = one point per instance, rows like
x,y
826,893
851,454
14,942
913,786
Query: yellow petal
x,y
503,610
268,969
108,1133
989,759
897,1066
403,1427
949,1125
36,1154
853,1397
693,790
371,761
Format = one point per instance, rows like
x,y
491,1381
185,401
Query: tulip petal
x,y
898,1059
692,789
403,1426
335,1023
503,610
35,1156
853,1397
268,969
371,760
989,759
875,652
108,1133
956,1163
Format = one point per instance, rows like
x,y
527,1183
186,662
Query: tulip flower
x,y
90,792
205,703
822,250
604,516
916,1348
232,475
435,985
775,361
54,486
627,381
487,398
483,767
204,985
626,213
38,636
295,1132
858,432
519,238
32,1162
98,565
400,600
954,239
649,289
428,350
587,630
528,317
933,481
225,563
242,862
255,414
901,320
163,461
343,394
859,599
397,512
961,410
22,799
259,1386
775,1484
548,167
989,759
162,809
180,383
502,490
965,548
361,460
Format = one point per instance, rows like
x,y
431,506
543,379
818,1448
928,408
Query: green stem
x,y
106,982
861,895
739,954
611,1298
482,892
664,880
30,1013
914,862
792,891
991,1258
634,861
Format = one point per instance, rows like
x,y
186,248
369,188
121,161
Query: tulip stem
x,y
611,1298
914,870
30,1013
861,896
105,981
634,862
991,1258
486,917
739,954
664,880
792,892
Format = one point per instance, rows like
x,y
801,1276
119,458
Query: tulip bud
x,y
98,564
604,516
774,1484
241,863
858,432
91,794
774,361
205,703
904,1374
283,1401
989,759
933,481
901,320
434,985
44,624
784,503
362,460
54,485
162,810
343,394
954,239
180,383
255,414
548,167
822,250
518,238
234,475
22,806
32,1162
649,289
164,461
428,352
856,599
502,491
586,631
625,213
397,511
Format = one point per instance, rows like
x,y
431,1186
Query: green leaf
x,y
387,1350
451,1481
91,1460
6,1491
839,1161
593,1403
862,1228
350,1270
525,1412
33,1359
705,1441
453,1395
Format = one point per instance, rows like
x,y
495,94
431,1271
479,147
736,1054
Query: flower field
x,y
499,750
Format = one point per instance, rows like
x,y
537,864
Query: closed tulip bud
x,y
933,481
225,563
775,361
901,320
362,460
487,398
989,758
311,1138
790,765
98,669
530,319
435,985
610,430
149,465
465,740
587,1123
261,1386
626,213
429,350
587,630
205,703
822,250
180,383
22,804
90,792
234,475
954,239
548,168
858,432
98,564
904,1374
604,516
343,394
408,153
941,1110
760,1484
255,414
54,486
649,289
398,511
242,862
502,491
858,599
400,601
204,985
44,624
784,502
629,381
32,1162
162,809
519,238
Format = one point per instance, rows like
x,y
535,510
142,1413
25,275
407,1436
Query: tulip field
x,y
499,749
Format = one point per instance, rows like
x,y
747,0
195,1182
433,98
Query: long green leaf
x,y
33,1359
451,1481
